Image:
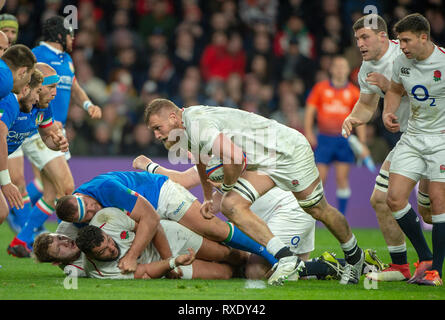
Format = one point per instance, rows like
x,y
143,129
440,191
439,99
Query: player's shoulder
x,y
109,216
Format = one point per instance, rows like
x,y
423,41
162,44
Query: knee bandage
x,y
423,200
314,198
381,181
245,189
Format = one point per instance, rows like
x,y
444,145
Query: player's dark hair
x,y
54,30
18,56
361,23
40,247
89,237
156,105
66,208
415,23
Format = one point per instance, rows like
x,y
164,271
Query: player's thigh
x,y
211,270
58,171
214,229
212,251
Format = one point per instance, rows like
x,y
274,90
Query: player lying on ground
x,y
110,235
151,194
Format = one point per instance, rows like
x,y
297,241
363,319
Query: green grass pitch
x,y
23,279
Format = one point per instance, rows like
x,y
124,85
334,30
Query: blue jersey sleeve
x,y
114,194
6,80
9,110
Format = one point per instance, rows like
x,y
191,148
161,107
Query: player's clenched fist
x,y
127,264
141,162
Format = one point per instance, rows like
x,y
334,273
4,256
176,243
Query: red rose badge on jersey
x,y
437,75
124,235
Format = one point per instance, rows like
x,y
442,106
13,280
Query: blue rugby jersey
x,y
120,189
63,64
25,124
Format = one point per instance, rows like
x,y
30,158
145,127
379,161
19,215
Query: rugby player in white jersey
x,y
421,150
379,53
275,155
110,234
60,249
278,208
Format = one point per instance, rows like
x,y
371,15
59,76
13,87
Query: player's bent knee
x,y
313,200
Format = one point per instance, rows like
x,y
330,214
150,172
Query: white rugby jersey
x,y
263,140
384,66
424,83
120,228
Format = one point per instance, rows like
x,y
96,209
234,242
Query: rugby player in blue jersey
x,y
18,119
54,50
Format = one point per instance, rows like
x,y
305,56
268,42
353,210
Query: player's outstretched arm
x,y
188,178
362,113
390,106
80,98
148,221
158,269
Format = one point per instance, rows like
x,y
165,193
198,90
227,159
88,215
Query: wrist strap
x,y
4,177
151,167
172,263
87,104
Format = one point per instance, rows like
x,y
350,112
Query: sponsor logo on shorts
x,y
295,182
442,168
179,208
295,241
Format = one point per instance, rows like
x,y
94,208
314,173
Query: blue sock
x,y
239,240
410,224
34,189
21,215
343,196
438,236
39,214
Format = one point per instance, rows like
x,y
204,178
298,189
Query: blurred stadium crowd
x,y
263,56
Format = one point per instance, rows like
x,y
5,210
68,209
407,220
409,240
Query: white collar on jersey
x,y
56,51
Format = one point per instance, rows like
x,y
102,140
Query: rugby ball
x,y
215,170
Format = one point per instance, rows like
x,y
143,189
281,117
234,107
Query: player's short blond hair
x,y
156,106
381,24
36,79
